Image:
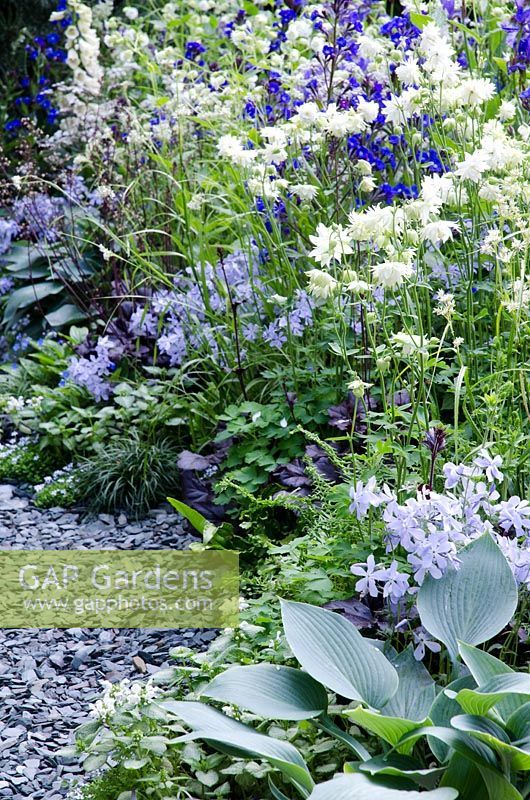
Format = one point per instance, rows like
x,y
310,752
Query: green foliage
x,y
191,767
485,749
133,475
26,463
61,490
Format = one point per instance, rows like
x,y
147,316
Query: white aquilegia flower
x,y
409,343
507,110
231,148
409,72
305,191
358,387
472,167
439,231
321,284
331,243
391,274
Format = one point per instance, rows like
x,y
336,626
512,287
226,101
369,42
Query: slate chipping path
x,y
49,677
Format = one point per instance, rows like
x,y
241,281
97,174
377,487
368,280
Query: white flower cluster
x,y
123,696
82,43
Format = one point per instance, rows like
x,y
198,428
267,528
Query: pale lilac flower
x,y
369,573
396,583
432,556
423,640
490,464
363,497
514,513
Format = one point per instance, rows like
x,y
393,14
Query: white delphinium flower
x,y
438,53
308,113
353,283
358,387
321,284
341,123
391,274
330,243
122,696
368,109
491,242
399,108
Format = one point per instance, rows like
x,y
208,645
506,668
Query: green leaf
x,y
64,315
487,731
420,20
518,723
29,295
194,517
359,787
327,724
333,651
470,748
95,761
480,701
271,692
242,741
276,793
471,604
484,666
134,763
391,729
464,776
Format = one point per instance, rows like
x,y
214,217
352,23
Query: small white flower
x,y
130,12
331,243
321,284
391,274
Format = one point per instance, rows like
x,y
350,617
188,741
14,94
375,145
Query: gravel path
x,y
48,677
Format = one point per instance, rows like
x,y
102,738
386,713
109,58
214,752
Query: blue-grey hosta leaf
x,y
272,692
487,731
462,743
240,740
401,766
333,651
482,665
443,710
471,604
359,787
326,724
416,691
465,776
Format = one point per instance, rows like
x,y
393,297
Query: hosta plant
x,y
467,738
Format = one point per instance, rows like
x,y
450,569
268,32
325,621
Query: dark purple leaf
x,y
198,495
354,611
188,460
